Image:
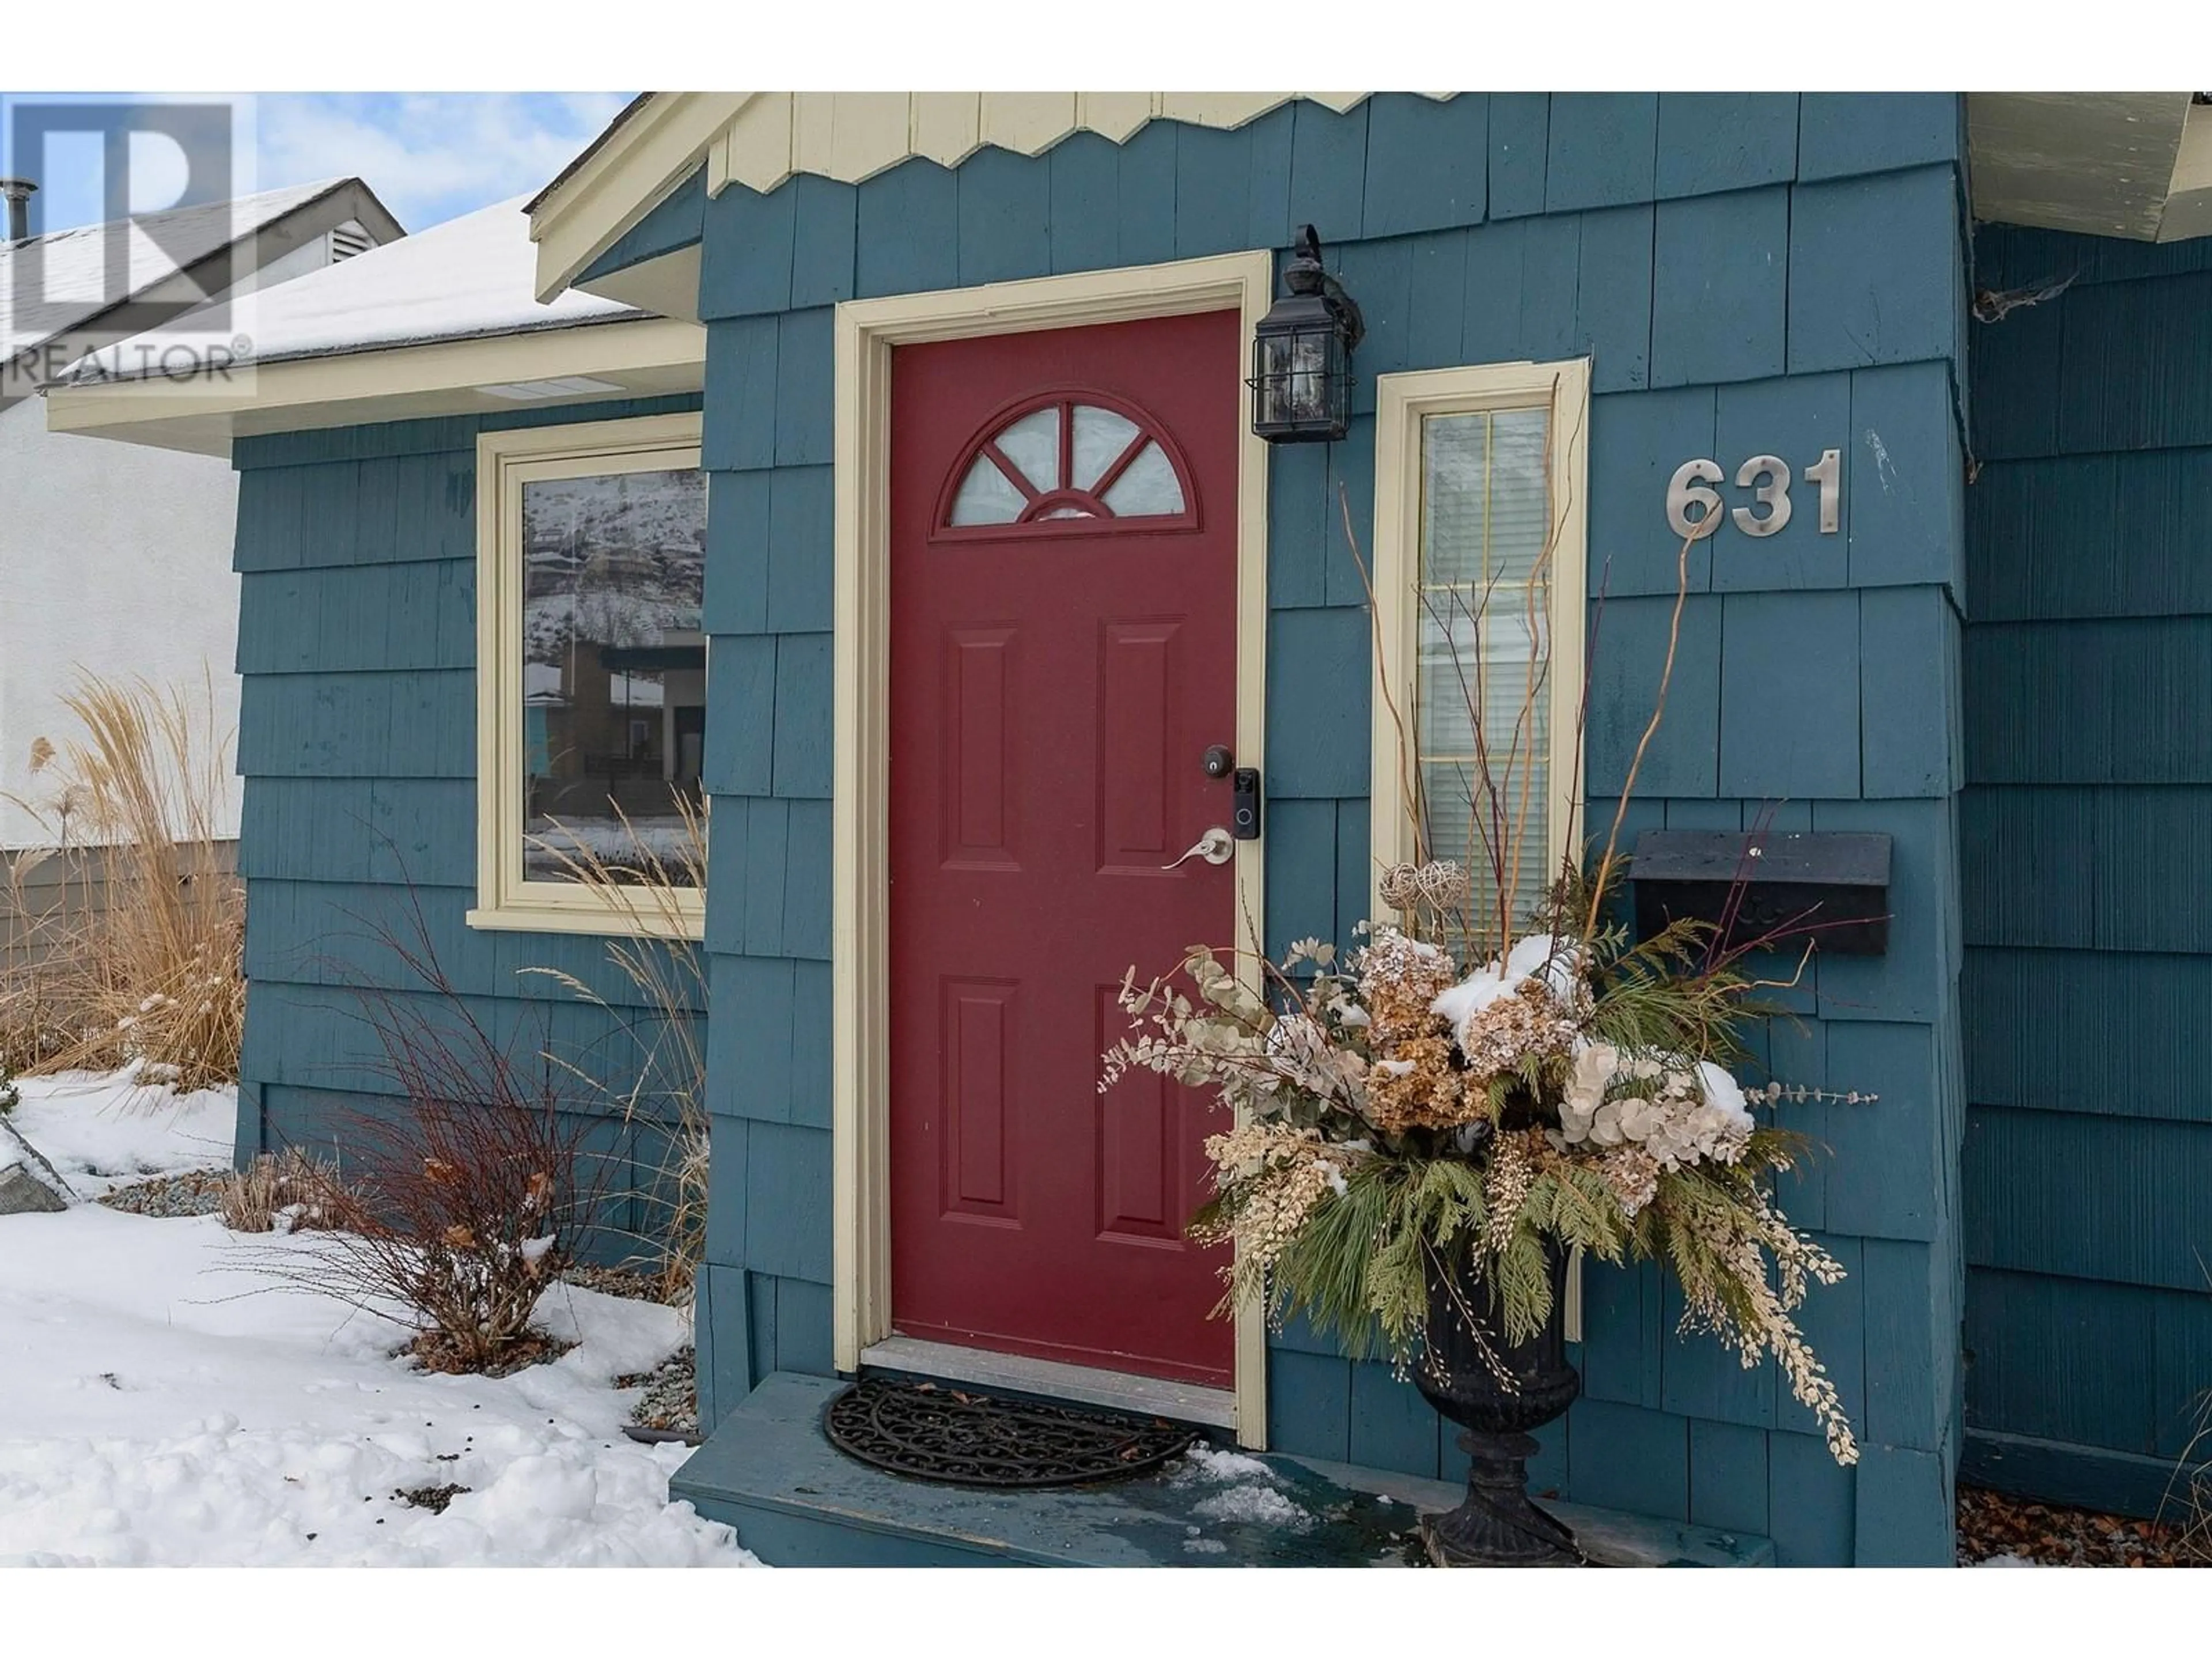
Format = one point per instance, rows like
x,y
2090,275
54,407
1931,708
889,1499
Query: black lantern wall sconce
x,y
1302,354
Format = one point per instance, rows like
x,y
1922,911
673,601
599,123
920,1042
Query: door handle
x,y
1215,847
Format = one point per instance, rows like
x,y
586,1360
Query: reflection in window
x,y
614,669
1067,460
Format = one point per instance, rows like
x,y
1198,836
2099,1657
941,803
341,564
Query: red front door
x,y
1063,651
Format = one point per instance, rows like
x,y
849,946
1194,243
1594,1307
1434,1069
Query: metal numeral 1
x,y
1828,473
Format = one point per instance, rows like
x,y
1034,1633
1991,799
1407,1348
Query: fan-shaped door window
x,y
1074,461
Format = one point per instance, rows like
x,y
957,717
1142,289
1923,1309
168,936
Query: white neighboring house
x,y
116,560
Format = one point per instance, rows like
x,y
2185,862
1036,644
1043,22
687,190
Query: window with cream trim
x,y
591,669
1478,559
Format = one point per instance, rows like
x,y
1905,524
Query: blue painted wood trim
x,y
2116,1482
677,223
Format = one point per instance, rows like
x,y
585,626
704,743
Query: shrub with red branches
x,y
460,1206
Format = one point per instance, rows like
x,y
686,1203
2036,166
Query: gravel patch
x,y
671,1403
625,1282
196,1192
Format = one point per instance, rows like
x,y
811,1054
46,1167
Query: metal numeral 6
x,y
1689,487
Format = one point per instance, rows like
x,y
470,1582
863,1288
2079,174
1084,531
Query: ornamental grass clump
x,y
660,968
128,930
2188,1497
1484,1085
281,1192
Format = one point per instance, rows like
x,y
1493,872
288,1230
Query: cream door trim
x,y
866,331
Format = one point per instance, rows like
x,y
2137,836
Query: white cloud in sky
x,y
429,155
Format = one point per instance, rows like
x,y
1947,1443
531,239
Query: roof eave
x,y
2114,152
584,155
650,149
638,357
218,270
2133,165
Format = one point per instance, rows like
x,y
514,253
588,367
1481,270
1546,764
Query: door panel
x,y
1136,691
1062,652
1139,1187
979,786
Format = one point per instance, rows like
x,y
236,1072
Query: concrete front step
x,y
795,1500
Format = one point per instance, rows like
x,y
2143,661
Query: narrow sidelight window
x,y
1479,569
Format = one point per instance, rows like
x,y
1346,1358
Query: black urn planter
x,y
1497,1400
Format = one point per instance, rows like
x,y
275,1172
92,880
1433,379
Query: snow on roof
x,y
468,277
591,149
65,270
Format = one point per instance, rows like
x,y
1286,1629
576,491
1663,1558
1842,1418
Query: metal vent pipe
x,y
17,194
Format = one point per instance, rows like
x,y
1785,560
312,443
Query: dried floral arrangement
x,y
1405,1102
1470,1093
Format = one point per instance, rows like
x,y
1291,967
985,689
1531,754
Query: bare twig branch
x,y
1650,728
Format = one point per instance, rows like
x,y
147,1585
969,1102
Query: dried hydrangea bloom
x,y
1633,1174
1400,979
1418,1087
1525,1024
1555,963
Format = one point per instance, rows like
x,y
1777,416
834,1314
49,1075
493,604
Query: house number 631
x,y
1767,476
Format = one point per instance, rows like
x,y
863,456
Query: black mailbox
x,y
1829,887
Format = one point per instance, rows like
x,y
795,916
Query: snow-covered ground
x,y
102,1132
163,1403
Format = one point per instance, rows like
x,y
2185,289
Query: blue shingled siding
x,y
2088,698
1749,273
356,645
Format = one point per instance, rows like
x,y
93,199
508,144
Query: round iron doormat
x,y
934,1431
